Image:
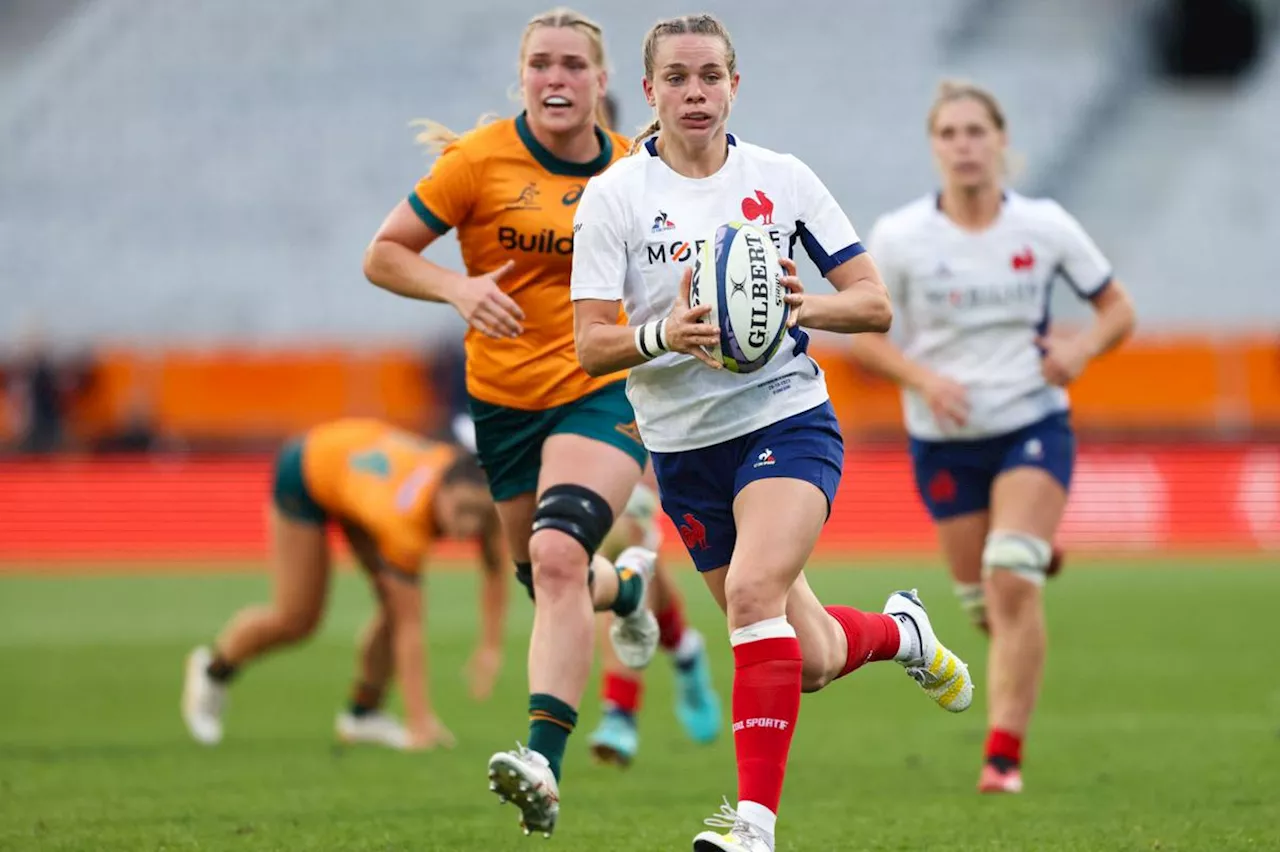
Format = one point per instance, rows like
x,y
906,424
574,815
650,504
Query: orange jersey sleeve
x,y
520,208
444,198
381,479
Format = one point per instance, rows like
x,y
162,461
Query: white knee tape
x,y
1024,555
973,600
642,508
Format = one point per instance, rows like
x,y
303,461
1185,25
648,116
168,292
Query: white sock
x,y
760,817
690,646
910,645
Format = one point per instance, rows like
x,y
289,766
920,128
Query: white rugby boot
x,y
635,636
203,699
941,674
742,836
525,779
371,729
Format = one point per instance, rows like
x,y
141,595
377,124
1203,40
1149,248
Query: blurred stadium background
x,y
186,189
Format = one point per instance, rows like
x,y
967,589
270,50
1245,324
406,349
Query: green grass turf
x,y
1158,729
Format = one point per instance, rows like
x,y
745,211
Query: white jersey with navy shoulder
x,y
969,305
638,226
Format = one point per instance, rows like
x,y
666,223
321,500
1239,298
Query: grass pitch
x,y
1158,728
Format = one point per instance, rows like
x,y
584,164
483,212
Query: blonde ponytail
x,y
435,137
638,142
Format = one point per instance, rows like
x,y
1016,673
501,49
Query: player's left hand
x,y
482,671
795,290
1064,359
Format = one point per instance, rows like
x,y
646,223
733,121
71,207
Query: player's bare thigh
x,y
1028,500
579,460
766,571
570,459
300,571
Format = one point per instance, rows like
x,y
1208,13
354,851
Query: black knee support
x,y
575,511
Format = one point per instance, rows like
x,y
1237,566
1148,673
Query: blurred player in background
x,y
747,463
392,494
970,271
616,739
560,447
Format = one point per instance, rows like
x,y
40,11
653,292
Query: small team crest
x,y
527,199
1033,449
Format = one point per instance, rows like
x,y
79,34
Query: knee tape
x,y
577,512
1024,555
973,600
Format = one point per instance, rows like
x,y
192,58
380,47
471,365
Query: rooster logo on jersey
x,y
761,205
1023,262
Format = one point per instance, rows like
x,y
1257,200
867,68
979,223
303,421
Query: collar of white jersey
x,y
937,198
651,144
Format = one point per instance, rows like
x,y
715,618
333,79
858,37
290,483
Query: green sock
x,y
630,587
550,723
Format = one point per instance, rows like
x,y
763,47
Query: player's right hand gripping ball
x,y
737,273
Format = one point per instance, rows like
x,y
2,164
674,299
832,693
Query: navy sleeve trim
x,y
1077,289
428,218
826,262
1101,288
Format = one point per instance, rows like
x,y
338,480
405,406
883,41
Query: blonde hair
x,y
950,91
435,137
684,25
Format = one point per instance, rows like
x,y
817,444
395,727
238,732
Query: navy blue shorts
x,y
698,486
955,477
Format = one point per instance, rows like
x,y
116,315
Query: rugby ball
x,y
736,272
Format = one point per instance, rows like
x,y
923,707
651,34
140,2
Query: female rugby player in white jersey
x,y
970,271
747,464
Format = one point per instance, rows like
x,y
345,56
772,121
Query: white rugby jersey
x,y
969,306
638,226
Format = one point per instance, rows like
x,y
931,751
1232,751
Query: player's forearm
x,y
406,273
863,307
877,354
604,348
411,672
1113,323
